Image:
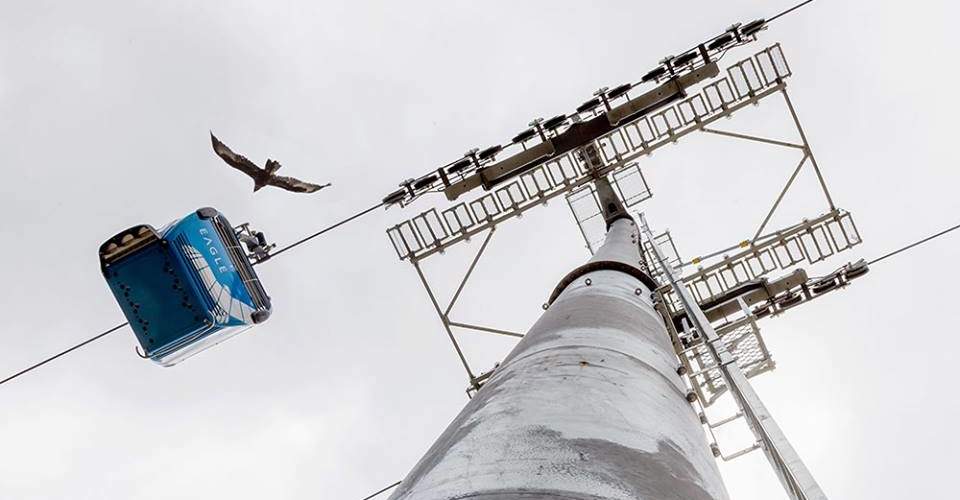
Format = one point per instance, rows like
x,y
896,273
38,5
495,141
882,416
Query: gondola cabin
x,y
185,287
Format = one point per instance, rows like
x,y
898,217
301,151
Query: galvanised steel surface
x,y
587,406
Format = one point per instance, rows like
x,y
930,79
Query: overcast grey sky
x,y
104,113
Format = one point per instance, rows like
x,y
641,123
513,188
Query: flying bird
x,y
262,176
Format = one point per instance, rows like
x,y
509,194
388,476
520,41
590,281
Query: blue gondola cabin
x,y
185,287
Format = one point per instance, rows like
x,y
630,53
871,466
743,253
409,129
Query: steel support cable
x,y
791,9
324,230
104,334
908,247
383,490
51,358
768,21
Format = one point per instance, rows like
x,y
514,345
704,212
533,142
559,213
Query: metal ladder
x,y
793,474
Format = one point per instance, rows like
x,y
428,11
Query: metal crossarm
x,y
745,83
811,241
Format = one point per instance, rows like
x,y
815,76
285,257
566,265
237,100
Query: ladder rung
x,y
714,425
756,446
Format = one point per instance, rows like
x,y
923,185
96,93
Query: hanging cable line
x,y
791,9
328,228
356,216
51,358
908,247
381,491
360,214
104,334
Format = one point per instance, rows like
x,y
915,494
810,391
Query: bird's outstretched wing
x,y
236,161
295,185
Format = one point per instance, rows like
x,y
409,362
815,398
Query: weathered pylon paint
x,y
587,406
